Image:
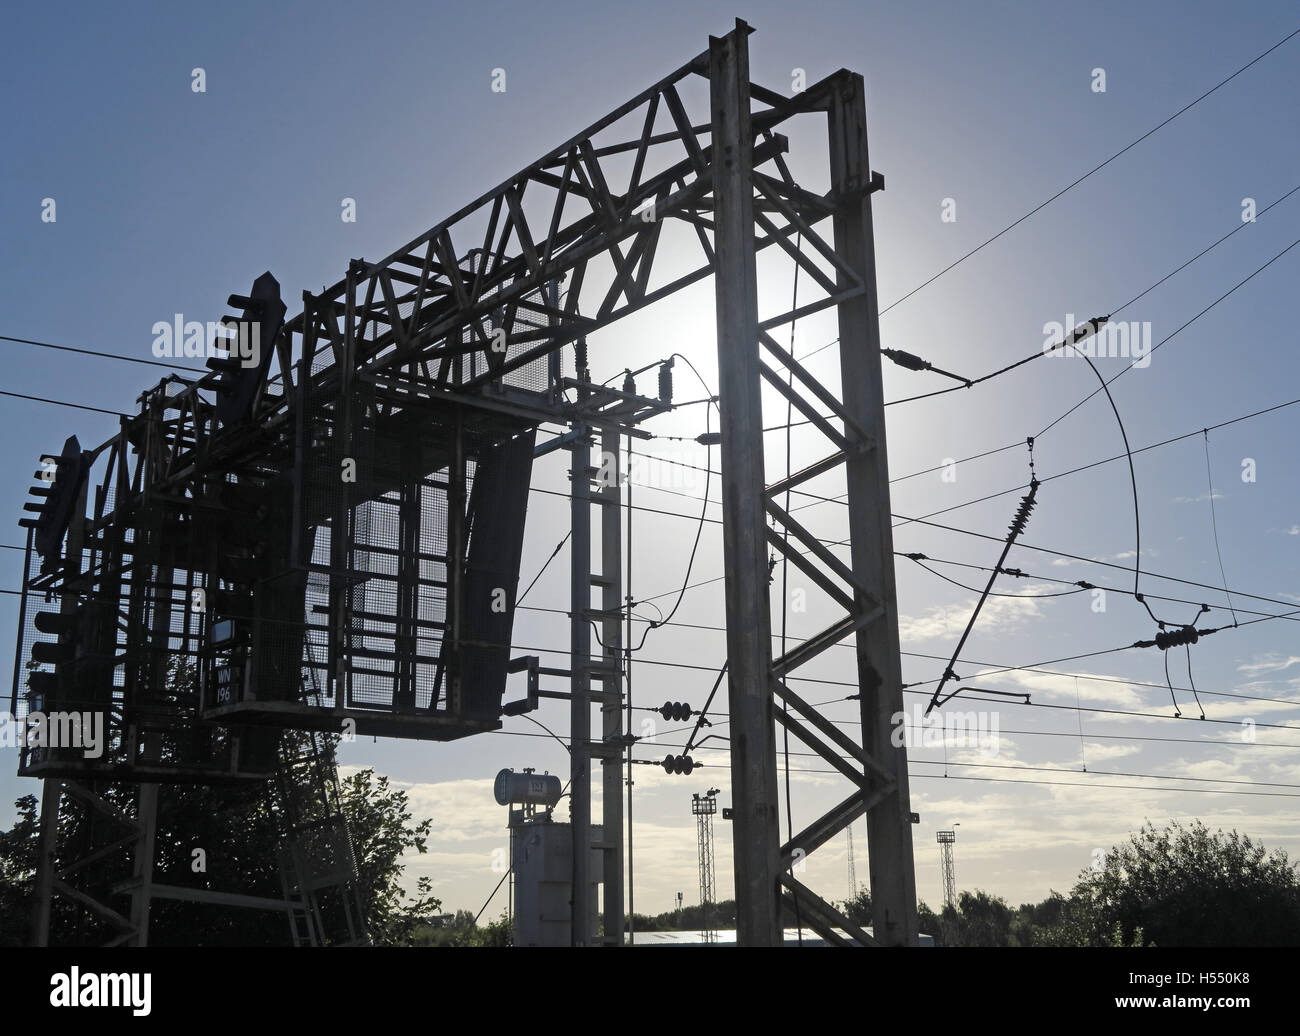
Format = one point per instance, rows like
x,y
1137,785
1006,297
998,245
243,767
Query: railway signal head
x,y
58,488
240,374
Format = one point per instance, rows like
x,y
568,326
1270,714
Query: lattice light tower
x,y
853,869
703,807
947,839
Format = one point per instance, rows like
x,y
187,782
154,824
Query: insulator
x,y
908,360
1024,510
1087,329
666,381
580,358
629,384
1167,639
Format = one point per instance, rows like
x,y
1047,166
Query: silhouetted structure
x,y
330,522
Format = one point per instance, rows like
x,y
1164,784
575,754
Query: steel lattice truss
x,y
463,329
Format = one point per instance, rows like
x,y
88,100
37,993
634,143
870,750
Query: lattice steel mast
x,y
946,840
853,870
703,807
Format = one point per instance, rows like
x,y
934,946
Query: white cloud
x,y
1269,664
945,622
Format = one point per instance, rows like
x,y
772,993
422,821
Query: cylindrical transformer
x,y
537,789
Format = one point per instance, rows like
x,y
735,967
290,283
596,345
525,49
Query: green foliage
x,y
239,831
462,931
1186,886
929,922
70,923
498,933
1032,921
17,871
1177,886
689,918
979,919
380,821
858,909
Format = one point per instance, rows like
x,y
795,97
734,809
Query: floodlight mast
x,y
946,840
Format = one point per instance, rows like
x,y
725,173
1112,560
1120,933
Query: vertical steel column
x,y
341,593
406,642
150,749
611,704
46,848
749,645
146,817
299,550
889,828
629,858
457,542
579,681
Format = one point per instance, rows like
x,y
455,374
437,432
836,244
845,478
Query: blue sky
x,y
168,200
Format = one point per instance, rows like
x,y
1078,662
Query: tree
x,y
239,832
464,931
17,872
1033,920
380,821
1186,886
496,933
691,918
928,923
858,909
981,919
